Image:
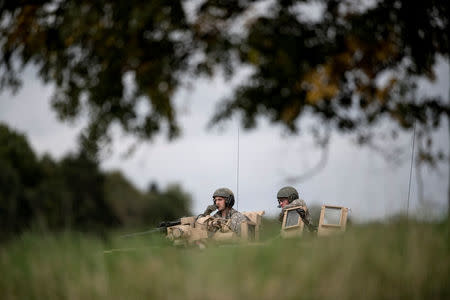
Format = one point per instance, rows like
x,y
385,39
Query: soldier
x,y
223,199
288,198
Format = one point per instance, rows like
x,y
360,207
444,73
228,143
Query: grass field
x,y
378,261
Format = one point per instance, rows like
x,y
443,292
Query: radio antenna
x,y
237,172
410,170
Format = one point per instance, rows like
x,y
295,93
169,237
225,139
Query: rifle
x,y
161,228
165,224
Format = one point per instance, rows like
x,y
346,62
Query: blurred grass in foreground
x,y
395,261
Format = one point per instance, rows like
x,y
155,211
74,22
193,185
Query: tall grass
x,y
395,261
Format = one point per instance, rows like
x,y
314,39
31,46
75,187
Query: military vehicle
x,y
204,230
200,231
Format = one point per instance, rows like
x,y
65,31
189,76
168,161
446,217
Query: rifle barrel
x,y
161,226
141,233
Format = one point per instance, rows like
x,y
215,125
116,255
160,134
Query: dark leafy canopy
x,y
350,68
88,47
334,66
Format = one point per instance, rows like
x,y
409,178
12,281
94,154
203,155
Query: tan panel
x,y
188,221
327,229
244,231
256,219
224,236
322,214
198,234
258,226
300,222
254,216
344,219
292,231
249,231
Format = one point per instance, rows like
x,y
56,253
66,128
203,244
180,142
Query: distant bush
x,y
169,204
134,207
73,193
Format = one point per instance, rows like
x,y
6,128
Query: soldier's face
x,y
220,203
283,202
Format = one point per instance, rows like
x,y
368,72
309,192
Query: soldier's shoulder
x,y
297,202
234,212
237,215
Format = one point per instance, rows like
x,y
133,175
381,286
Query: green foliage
x,y
48,194
19,177
127,202
357,64
86,203
133,207
73,193
396,261
168,205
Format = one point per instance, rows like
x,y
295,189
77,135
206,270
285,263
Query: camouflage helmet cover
x,y
225,193
288,192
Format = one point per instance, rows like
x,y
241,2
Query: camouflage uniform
x,y
294,203
235,217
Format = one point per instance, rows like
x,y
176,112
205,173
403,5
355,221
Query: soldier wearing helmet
x,y
223,199
288,198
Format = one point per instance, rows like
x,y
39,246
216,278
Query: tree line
x,y
74,193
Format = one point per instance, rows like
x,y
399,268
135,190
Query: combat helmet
x,y
288,192
225,193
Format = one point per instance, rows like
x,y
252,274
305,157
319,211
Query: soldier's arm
x,y
307,220
281,216
208,211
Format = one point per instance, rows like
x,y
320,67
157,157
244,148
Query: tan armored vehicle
x,y
333,219
192,231
203,230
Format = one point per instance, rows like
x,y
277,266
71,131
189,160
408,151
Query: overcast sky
x,y
203,160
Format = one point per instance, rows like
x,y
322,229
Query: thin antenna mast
x,y
237,173
410,170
